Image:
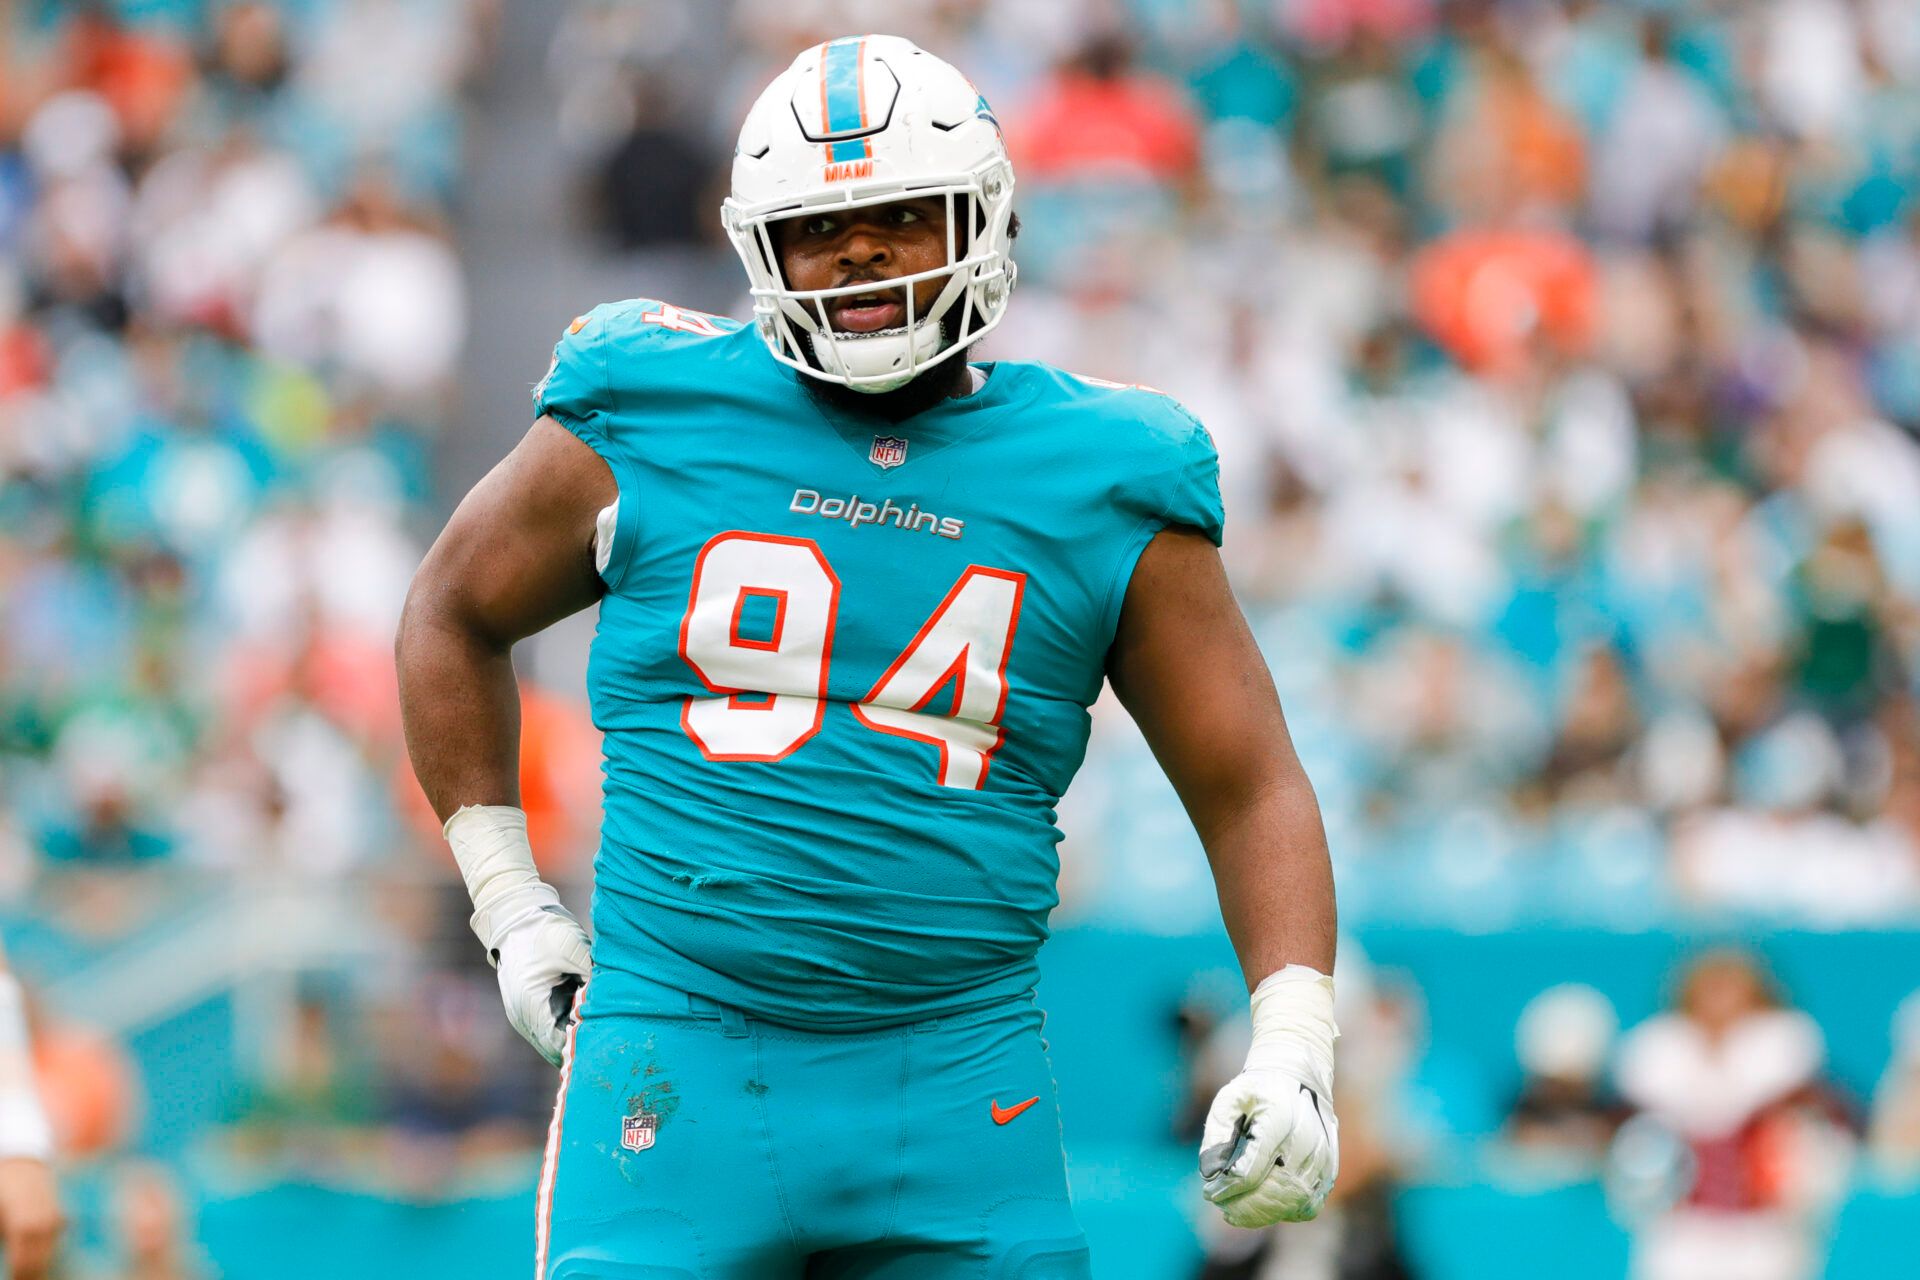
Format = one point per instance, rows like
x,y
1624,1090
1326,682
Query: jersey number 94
x,y
770,690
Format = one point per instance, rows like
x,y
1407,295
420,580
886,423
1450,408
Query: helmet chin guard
x,y
881,361
862,121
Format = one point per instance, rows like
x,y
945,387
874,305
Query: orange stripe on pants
x,y
550,1161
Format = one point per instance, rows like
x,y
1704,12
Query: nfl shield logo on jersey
x,y
637,1131
887,451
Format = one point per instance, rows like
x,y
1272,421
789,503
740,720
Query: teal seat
x,y
312,1233
1134,1203
1482,1233
1875,1235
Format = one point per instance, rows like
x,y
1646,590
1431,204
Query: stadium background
x,y
1564,358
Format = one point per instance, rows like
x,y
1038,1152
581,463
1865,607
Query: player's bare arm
x,y
1185,664
516,557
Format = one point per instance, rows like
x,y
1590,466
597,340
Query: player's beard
x,y
944,381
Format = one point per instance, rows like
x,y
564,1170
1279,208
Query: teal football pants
x,y
692,1141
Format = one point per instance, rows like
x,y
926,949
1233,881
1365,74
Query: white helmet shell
x,y
867,120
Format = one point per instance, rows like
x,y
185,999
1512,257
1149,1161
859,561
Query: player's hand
x,y
543,959
1271,1148
541,952
30,1218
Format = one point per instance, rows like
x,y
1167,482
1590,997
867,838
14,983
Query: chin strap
x,y
873,355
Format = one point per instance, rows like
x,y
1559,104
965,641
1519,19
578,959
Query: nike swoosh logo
x,y
1001,1117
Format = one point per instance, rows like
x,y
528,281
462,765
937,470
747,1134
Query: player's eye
x,y
819,225
901,214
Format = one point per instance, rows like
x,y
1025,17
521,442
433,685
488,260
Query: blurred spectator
x,y
1489,296
246,60
1504,150
1598,726
88,1084
1782,854
374,295
1099,117
1660,132
655,185
1107,149
150,1228
1894,1132
1736,1077
313,1099
143,75
1565,1113
459,1088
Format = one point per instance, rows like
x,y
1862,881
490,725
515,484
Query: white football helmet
x,y
867,120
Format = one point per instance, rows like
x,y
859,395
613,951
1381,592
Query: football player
x,y
855,597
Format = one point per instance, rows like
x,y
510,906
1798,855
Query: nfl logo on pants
x,y
887,451
636,1132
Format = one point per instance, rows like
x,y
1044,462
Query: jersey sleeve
x,y
1175,480
575,393
578,394
1193,497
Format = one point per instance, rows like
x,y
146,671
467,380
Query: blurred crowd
x,y
231,311
1562,358
229,314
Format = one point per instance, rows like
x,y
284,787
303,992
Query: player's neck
x,y
945,381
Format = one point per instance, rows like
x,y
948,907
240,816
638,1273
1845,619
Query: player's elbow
x,y
406,631
1282,784
421,617
440,619
1250,791
402,634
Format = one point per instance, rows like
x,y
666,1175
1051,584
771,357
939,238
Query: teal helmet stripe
x,y
841,71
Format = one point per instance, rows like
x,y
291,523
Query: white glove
x,y
541,952
1271,1148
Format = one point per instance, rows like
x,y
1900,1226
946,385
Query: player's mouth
x,y
868,312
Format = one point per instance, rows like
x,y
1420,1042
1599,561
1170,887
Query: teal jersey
x,y
843,664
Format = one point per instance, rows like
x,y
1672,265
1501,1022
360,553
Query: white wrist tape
x,y
1293,1027
24,1128
490,844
